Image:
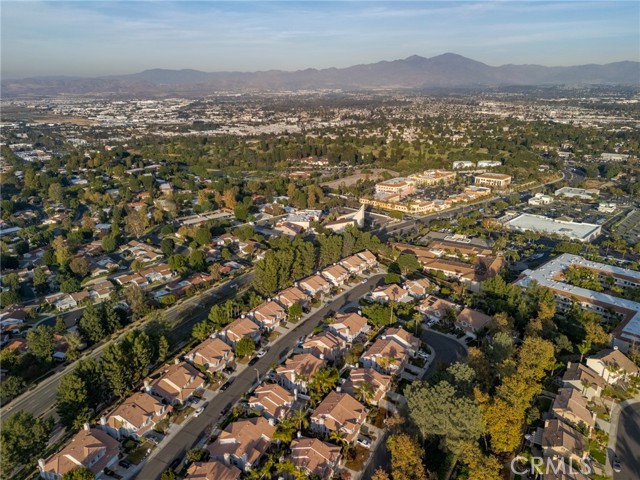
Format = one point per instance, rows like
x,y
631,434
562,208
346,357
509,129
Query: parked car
x,y
364,442
262,352
254,360
617,467
422,354
124,464
198,412
227,384
228,370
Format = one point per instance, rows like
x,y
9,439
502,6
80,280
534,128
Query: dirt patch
x,y
375,174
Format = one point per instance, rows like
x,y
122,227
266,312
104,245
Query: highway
x,y
41,399
194,429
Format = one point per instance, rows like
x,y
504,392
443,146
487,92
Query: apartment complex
x,y
551,275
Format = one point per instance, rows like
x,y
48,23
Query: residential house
x,y
354,264
418,288
386,356
13,315
298,370
133,278
243,442
90,447
135,416
404,338
315,457
212,470
157,273
368,257
240,328
349,326
339,412
177,383
570,406
268,315
272,401
213,354
289,229
584,379
561,440
325,345
292,295
62,301
380,383
435,308
613,365
390,293
336,275
315,285
472,321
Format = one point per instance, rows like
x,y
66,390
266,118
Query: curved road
x,y
628,443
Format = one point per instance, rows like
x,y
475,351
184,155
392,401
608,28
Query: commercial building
x,y
433,177
583,232
397,186
540,199
495,180
580,193
551,275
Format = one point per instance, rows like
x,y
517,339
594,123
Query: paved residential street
x,y
40,400
628,443
192,432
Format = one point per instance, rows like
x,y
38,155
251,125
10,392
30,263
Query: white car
x,y
261,353
198,412
365,442
423,354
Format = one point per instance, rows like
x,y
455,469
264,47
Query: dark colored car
x,y
124,464
174,464
227,384
617,467
254,360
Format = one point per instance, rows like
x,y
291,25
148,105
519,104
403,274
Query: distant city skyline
x,y
94,38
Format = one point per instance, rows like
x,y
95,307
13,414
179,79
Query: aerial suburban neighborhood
x,y
419,269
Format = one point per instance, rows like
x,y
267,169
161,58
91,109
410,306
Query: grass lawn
x,y
273,335
600,411
140,453
181,415
598,454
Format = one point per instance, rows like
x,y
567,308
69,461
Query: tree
x,y
391,278
380,474
168,475
197,260
481,467
406,458
229,198
74,340
22,438
137,300
167,245
40,342
201,330
109,243
79,266
163,348
55,193
244,347
364,392
117,368
136,222
295,312
90,325
80,473
198,455
40,280
438,410
178,263
408,264
10,388
61,250
202,236
72,403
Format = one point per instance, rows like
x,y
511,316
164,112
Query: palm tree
x,y
584,348
364,392
299,418
338,437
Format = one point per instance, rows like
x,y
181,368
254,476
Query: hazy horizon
x,y
95,38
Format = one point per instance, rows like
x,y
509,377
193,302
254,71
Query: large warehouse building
x,y
583,232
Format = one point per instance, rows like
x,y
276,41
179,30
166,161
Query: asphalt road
x,y
41,399
628,443
193,431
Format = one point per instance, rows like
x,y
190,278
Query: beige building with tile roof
x,y
90,447
571,407
268,315
272,400
135,416
213,354
472,321
298,370
612,365
178,382
387,356
435,308
212,470
559,439
339,412
335,274
380,383
291,295
315,457
349,326
243,442
325,345
240,328
315,285
584,379
390,293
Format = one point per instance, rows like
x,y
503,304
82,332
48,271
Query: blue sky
x,y
92,38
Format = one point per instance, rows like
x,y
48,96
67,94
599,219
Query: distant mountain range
x,y
415,72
